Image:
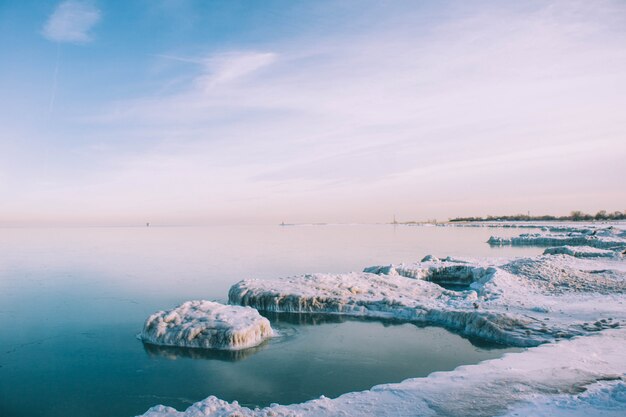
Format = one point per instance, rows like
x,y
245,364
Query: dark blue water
x,y
72,301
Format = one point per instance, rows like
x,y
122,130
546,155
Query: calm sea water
x,y
73,299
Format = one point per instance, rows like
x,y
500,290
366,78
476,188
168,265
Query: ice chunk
x,y
208,325
499,241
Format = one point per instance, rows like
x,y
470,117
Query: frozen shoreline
x,y
571,302
491,387
523,302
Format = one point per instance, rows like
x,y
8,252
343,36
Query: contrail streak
x,y
55,81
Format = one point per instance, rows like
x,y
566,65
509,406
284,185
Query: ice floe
x,y
208,325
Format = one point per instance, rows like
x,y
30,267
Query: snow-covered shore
x,y
568,306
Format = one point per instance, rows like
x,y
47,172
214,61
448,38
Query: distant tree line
x,y
573,216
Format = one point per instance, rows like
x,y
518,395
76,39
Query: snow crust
x,y
601,399
208,325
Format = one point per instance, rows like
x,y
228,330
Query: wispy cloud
x,y
481,106
398,108
71,21
226,67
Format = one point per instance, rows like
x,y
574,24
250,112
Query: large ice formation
x,y
519,302
207,324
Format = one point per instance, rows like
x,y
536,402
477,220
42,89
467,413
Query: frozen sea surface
x,y
72,301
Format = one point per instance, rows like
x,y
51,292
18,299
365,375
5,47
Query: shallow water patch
x,y
323,355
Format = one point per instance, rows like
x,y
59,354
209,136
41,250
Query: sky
x,y
211,112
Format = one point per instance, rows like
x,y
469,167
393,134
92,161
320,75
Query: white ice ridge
x,y
547,226
207,324
549,377
612,238
523,302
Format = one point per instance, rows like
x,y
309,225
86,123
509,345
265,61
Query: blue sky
x,y
185,112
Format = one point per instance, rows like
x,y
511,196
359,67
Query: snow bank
x,y
601,399
207,324
552,375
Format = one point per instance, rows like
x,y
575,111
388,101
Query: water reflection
x,y
175,352
281,320
303,319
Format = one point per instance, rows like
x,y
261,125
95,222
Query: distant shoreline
x,y
574,216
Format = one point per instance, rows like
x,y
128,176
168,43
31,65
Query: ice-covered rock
x,y
580,252
208,325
